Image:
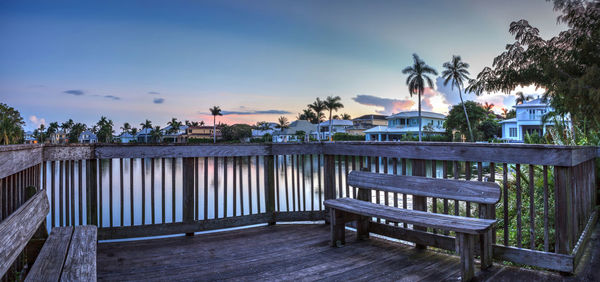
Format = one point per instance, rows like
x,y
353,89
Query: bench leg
x,y
362,227
466,249
485,245
338,230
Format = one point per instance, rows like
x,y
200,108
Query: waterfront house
x,y
407,123
144,135
177,136
201,132
362,123
337,126
29,138
271,128
528,121
292,132
126,137
58,137
87,137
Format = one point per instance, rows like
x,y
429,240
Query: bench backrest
x,y
462,190
17,229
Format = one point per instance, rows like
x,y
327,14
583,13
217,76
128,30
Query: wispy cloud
x,y
153,93
75,92
112,97
387,106
158,100
263,112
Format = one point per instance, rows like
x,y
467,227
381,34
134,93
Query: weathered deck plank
x,y
283,252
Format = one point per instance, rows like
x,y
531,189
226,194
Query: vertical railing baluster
x,y
122,193
216,187
546,229
110,192
250,185
173,189
293,182
287,192
225,199
131,194
234,169
197,185
505,201
163,189
206,188
519,204
531,207
241,180
257,167
187,173
61,189
152,198
143,175
72,182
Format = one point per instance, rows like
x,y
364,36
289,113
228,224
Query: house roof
x,y
371,117
410,114
510,120
539,102
335,122
90,134
126,135
297,126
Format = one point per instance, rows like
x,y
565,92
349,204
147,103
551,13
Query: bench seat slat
x,y
80,264
461,190
447,222
50,261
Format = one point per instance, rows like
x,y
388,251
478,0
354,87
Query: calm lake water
x,y
252,196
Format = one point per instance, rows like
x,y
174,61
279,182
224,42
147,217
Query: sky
x,y
257,60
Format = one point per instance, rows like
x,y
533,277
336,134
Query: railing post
x,y
270,187
419,202
329,179
188,191
91,185
563,202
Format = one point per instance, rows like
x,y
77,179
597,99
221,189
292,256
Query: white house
x,y
337,126
177,136
291,133
407,123
528,120
87,137
271,128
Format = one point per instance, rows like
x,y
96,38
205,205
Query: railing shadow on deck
x,y
137,190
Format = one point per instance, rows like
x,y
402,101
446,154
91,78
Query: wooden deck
x,y
286,252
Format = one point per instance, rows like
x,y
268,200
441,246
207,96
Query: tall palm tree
x,y
332,104
309,115
283,122
175,126
126,128
318,107
67,125
215,111
505,112
417,76
456,72
521,98
346,116
146,125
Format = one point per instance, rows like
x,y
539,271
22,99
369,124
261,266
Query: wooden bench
x,y
69,253
468,229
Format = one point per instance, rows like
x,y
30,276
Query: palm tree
x,y
318,107
126,127
215,111
505,112
175,126
134,131
66,126
346,116
456,71
309,115
488,107
156,134
417,76
521,98
146,125
332,104
283,122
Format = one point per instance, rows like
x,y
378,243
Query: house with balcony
x,y
337,126
528,121
362,123
174,136
87,137
407,123
58,137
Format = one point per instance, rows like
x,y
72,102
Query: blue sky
x,y
137,60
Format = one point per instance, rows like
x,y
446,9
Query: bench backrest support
x,y
19,227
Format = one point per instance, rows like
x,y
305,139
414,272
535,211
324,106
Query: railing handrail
x,y
18,157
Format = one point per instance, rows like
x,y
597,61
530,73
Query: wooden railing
x,y
545,215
